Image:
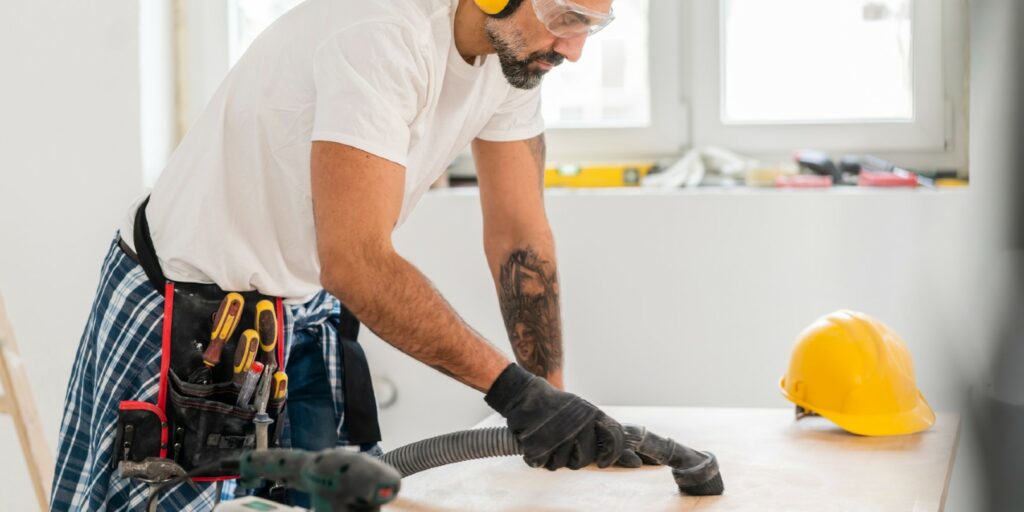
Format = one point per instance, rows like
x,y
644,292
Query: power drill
x,y
336,479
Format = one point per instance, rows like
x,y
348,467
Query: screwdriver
x,y
251,378
280,386
266,325
224,323
245,354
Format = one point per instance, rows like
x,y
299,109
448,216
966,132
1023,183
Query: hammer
x,y
154,471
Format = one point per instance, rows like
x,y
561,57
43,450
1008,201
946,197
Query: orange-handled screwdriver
x,y
224,323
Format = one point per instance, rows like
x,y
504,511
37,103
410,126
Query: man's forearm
x,y
521,251
397,302
527,281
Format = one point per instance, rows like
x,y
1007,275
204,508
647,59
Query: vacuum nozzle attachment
x,y
695,472
703,480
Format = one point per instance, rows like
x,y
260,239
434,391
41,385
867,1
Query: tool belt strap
x,y
145,251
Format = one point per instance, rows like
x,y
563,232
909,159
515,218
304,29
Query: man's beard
x,y
517,71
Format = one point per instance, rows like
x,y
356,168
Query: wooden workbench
x,y
768,462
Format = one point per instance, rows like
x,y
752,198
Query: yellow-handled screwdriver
x,y
245,354
266,325
279,388
224,323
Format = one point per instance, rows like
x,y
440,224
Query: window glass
x,y
817,60
609,86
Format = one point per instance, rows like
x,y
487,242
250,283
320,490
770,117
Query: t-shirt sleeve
x,y
518,118
371,80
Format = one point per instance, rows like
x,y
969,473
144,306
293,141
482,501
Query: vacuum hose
x,y
695,473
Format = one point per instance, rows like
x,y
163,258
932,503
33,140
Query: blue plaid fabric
x,y
118,359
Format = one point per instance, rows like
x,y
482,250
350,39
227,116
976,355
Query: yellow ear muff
x,y
492,7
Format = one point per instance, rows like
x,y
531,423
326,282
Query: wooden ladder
x,y
16,401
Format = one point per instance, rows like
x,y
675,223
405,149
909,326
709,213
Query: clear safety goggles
x,y
567,19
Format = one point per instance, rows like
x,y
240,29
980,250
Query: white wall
x,y
69,165
695,298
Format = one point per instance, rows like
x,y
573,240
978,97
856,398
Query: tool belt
x,y
196,420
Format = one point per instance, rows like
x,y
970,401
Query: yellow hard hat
x,y
855,371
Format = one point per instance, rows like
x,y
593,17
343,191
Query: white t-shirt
x,y
233,206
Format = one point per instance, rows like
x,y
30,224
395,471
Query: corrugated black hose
x,y
695,473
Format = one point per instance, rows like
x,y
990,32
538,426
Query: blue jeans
x,y
315,334
311,417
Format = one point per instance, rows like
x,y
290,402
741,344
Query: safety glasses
x,y
567,19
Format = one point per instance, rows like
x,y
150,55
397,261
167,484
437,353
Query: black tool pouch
x,y
197,409
141,432
207,426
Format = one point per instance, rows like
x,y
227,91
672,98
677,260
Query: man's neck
x,y
470,37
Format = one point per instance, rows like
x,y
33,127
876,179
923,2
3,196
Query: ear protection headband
x,y
497,8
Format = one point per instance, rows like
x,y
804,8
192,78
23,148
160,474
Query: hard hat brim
x,y
919,418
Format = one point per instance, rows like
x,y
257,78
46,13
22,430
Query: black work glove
x,y
556,429
631,459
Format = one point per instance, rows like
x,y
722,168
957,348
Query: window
x,y
760,77
623,100
840,75
609,86
599,107
816,61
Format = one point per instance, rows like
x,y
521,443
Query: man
x,y
315,148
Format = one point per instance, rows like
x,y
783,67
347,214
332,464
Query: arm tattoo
x,y
529,304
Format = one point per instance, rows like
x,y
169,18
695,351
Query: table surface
x,y
768,461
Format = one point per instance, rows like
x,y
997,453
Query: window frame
x,y
158,89
205,47
928,131
668,131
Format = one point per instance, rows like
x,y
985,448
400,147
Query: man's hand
x,y
556,429
632,460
